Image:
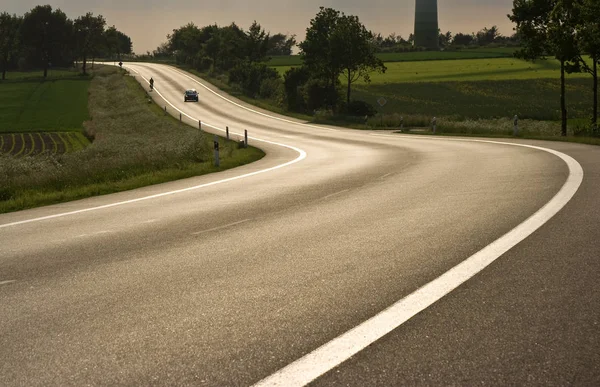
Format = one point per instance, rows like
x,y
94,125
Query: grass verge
x,y
135,145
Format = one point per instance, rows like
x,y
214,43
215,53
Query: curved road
x,y
229,278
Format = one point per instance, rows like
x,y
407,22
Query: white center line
x,y
335,194
221,227
7,282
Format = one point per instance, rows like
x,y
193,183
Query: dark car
x,y
190,95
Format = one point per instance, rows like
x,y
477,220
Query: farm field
x,y
528,98
464,70
474,53
135,145
30,104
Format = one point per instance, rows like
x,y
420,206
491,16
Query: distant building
x,y
426,24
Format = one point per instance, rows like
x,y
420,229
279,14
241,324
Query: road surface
x,y
238,277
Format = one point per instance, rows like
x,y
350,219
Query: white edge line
x,y
302,156
247,108
330,355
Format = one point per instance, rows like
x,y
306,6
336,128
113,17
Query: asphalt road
x,y
226,279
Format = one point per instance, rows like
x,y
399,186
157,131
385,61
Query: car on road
x,y
190,95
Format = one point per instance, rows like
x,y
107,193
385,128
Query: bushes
x,y
250,76
293,80
361,109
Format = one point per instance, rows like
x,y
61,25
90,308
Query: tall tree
x,y
547,27
9,40
316,48
89,33
257,43
281,44
48,34
588,38
353,46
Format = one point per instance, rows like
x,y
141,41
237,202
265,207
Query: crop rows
x,y
30,144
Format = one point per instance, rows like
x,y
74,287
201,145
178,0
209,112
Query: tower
x,y
426,24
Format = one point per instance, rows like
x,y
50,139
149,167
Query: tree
x,y
461,39
257,43
352,46
316,50
89,33
487,36
280,44
48,34
445,39
588,39
9,40
548,27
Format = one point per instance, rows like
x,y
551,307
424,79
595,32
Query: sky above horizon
x,y
148,22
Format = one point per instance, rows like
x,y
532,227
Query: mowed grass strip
x,y
135,145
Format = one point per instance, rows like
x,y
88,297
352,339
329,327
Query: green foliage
x,y
293,80
9,41
361,109
250,76
281,45
337,44
89,35
48,36
353,45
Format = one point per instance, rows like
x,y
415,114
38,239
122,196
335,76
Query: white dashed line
x,y
221,227
7,282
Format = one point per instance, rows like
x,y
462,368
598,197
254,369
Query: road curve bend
x,y
231,278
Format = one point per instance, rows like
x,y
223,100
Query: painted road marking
x,y
221,227
7,282
335,194
330,355
249,109
302,156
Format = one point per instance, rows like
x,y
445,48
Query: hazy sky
x,y
148,22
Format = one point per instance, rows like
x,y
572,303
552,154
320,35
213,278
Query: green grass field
x,y
474,53
28,103
464,70
135,145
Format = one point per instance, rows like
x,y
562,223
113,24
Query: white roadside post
x,y
516,126
216,145
434,124
200,125
401,123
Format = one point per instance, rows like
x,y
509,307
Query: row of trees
x,y
46,37
222,48
337,46
485,37
568,30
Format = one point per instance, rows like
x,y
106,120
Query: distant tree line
x,y
337,46
447,41
569,31
46,37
